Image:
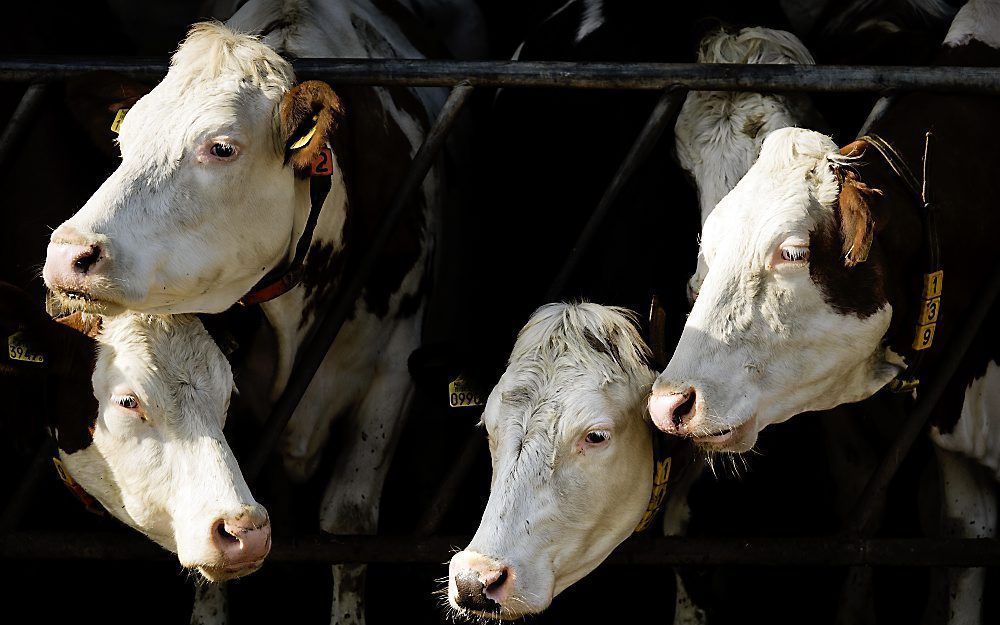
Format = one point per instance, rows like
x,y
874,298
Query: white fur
x,y
171,474
557,507
718,134
978,20
761,344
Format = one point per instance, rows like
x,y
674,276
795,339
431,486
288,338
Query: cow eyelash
x,y
795,254
129,402
596,437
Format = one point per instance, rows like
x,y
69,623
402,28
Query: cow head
x,y
572,461
139,403
718,134
211,192
793,311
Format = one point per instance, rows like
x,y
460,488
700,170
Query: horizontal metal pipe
x,y
433,73
643,551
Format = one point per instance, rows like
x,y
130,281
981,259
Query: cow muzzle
x,y
241,543
76,270
480,584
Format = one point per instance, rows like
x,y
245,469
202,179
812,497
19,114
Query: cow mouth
x,y
228,571
72,300
725,437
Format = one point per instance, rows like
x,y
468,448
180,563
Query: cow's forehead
x,y
169,361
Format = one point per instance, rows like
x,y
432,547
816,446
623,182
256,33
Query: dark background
x,y
533,165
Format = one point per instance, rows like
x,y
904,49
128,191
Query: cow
x,y
823,285
214,193
575,461
138,403
718,134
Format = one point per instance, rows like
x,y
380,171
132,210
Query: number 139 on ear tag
x,y
322,165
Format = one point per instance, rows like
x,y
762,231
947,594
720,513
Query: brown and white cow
x,y
213,194
718,134
815,285
573,462
138,404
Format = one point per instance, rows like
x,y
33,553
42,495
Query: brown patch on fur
x,y
300,104
857,223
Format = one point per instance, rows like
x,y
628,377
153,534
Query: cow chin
x,y
737,439
68,301
225,573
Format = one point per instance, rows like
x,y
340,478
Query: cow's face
x,y
572,462
158,459
210,193
791,314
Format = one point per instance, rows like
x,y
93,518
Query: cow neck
x,y
925,324
281,280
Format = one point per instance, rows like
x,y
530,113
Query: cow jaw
x,y
158,460
765,340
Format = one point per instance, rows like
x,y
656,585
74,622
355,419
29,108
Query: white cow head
x,y
572,461
718,134
211,193
138,406
791,315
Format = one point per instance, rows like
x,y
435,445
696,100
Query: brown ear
x,y
87,325
854,212
309,113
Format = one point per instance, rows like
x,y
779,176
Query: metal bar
x,y
41,462
658,76
20,120
663,113
315,350
931,391
671,550
448,491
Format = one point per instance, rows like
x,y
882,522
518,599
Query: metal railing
x,y
852,549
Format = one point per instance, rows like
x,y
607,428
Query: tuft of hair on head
x,y
212,50
592,336
753,46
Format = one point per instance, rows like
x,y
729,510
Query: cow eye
x,y
597,437
127,401
795,254
224,151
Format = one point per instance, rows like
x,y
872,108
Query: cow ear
x,y
95,100
87,325
855,215
309,113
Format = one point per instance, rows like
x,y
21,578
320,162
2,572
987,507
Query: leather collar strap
x,y
933,277
662,463
278,282
74,487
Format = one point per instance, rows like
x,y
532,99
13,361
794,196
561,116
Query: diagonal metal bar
x,y
663,114
864,511
570,75
20,120
315,350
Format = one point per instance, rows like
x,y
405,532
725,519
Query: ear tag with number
x,y
19,348
461,394
322,165
116,125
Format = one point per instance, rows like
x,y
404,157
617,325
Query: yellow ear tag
x,y
462,395
116,125
304,139
18,348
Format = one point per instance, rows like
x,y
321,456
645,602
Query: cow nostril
x,y
85,261
223,535
685,408
498,583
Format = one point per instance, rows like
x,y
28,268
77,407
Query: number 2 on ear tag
x,y
322,165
